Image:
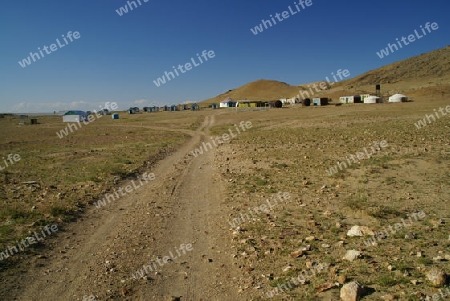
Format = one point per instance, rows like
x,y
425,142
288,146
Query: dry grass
x,y
76,170
288,150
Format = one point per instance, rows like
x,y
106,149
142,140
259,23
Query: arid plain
x,y
209,201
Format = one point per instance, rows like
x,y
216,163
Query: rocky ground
x,y
259,216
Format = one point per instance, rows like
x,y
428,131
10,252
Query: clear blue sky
x,y
117,58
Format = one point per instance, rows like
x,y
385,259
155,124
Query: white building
x,y
373,99
75,116
292,100
350,99
398,98
227,103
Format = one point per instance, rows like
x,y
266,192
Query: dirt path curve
x,y
96,258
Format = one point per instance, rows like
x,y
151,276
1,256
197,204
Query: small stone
x,y
410,235
325,287
352,255
297,253
249,269
437,223
339,244
325,245
310,238
438,258
390,297
419,254
287,268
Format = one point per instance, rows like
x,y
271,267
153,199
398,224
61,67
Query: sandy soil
x,y
95,258
193,199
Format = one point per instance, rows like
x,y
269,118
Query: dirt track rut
x,y
97,256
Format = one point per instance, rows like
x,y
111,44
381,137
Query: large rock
x,y
437,277
360,231
352,291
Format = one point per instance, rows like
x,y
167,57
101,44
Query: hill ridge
x,y
423,75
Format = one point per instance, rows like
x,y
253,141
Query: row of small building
x,y
317,101
367,98
228,103
182,107
79,116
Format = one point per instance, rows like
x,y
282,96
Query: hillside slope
x,y
424,76
434,65
258,90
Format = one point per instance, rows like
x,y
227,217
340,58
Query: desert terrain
x,y
258,214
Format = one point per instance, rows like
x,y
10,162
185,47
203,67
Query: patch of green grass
x,y
402,266
379,160
389,180
384,212
17,214
358,202
425,261
59,211
279,165
259,181
279,281
365,180
122,160
387,280
5,230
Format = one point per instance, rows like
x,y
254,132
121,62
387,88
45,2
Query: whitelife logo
x,y
27,61
11,157
236,222
76,126
31,240
280,17
115,196
323,85
225,137
398,226
411,38
357,157
423,122
188,66
124,9
162,261
301,278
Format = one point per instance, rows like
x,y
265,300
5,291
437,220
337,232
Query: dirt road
x,y
99,256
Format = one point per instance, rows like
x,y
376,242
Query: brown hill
x,y
431,65
424,76
258,90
